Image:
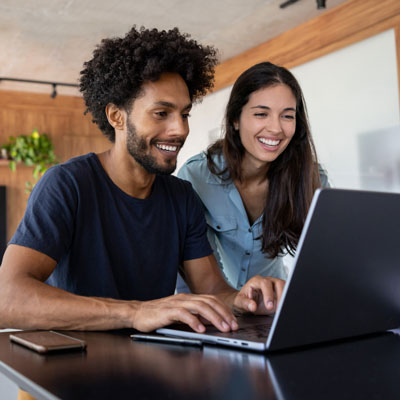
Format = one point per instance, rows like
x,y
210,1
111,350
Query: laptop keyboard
x,y
253,332
260,331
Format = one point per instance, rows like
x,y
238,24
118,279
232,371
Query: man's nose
x,y
178,126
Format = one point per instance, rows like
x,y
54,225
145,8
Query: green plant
x,y
34,150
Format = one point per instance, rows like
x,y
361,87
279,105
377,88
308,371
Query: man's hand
x,y
190,309
259,295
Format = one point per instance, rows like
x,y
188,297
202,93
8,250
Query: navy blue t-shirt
x,y
107,243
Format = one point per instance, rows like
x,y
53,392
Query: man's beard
x,y
138,148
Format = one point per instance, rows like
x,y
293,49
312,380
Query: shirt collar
x,y
219,161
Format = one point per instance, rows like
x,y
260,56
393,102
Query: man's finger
x,y
278,286
180,314
207,307
212,314
268,294
244,303
220,309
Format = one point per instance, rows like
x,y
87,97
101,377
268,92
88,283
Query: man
x,y
102,236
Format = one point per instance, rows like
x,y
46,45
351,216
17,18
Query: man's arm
x,y
27,302
259,295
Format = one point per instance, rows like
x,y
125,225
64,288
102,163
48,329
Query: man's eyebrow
x,y
268,108
172,105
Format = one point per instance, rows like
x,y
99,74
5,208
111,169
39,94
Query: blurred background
x,y
345,54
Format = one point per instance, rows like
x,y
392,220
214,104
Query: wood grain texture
x,y
397,38
62,119
345,24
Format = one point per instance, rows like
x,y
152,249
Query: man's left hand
x,y
260,295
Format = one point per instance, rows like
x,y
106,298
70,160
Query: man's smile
x,y
171,147
166,147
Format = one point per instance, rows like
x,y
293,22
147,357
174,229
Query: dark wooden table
x,y
115,367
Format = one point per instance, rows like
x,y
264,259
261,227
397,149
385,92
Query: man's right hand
x,y
23,293
190,309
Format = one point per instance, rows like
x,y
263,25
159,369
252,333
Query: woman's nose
x,y
274,125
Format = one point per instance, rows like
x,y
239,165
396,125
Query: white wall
x,y
205,124
350,93
352,96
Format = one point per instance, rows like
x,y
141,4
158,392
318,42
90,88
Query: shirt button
x,y
247,253
218,227
243,269
249,229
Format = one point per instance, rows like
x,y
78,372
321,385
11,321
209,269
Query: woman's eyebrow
x,y
263,107
268,108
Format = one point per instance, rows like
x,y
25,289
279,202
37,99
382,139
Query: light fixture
x,y
321,4
288,3
54,93
53,84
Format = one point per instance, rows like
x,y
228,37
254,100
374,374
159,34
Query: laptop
x,y
345,281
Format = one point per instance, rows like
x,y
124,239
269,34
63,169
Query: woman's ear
x,y
116,116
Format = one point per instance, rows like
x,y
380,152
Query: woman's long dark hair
x,y
292,177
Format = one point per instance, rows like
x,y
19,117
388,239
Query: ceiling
x,y
50,39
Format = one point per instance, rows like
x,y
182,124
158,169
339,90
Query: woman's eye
x,y
291,117
261,115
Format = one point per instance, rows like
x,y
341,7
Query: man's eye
x,y
261,115
161,114
186,116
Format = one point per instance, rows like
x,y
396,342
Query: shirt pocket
x,y
225,228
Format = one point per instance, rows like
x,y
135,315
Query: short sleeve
x,y
183,173
192,169
196,242
48,223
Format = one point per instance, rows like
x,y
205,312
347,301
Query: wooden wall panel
x,y
345,24
16,196
62,119
397,35
72,145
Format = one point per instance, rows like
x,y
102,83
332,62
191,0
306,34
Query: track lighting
x,y
54,93
288,3
53,84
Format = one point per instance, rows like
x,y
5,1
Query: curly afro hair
x,y
120,66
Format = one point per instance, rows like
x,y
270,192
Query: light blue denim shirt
x,y
234,241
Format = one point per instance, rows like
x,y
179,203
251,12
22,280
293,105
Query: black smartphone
x,y
47,341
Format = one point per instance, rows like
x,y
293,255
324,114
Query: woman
x,y
257,182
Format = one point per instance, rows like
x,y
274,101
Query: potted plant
x,y
34,150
